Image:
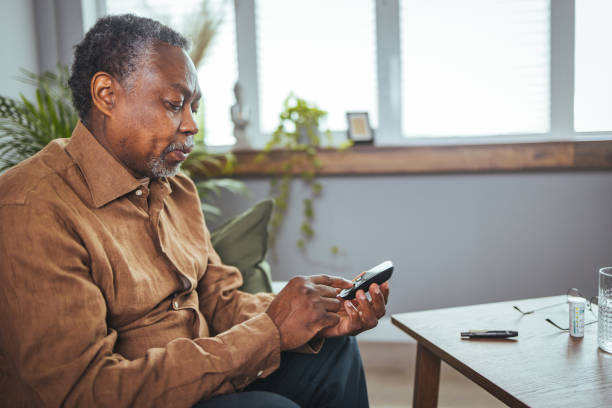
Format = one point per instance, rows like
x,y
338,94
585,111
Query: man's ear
x,y
103,92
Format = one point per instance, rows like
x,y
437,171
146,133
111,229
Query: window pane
x,y
218,71
217,76
323,51
475,67
593,75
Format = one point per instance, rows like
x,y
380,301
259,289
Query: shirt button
x,y
175,305
260,373
138,193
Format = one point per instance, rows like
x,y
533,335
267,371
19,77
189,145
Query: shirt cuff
x,y
258,341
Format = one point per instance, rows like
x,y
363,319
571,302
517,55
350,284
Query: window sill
x,y
371,160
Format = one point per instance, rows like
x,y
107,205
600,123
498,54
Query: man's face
x,y
152,124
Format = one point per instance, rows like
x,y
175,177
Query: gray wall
x,y
59,26
455,239
17,45
36,35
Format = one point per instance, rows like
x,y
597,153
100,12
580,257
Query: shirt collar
x,y
106,177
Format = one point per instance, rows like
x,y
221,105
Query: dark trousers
x,y
332,378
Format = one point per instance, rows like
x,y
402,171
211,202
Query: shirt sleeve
x,y
55,338
224,306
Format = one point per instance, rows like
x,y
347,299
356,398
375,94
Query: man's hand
x,y
306,306
360,314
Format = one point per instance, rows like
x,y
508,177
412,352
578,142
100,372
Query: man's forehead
x,y
185,90
173,69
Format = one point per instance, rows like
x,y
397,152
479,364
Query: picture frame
x,y
359,129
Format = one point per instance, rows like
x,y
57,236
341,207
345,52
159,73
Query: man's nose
x,y
189,125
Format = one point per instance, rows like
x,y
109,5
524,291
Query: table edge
x,y
495,390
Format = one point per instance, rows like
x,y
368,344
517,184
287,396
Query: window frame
x,y
389,131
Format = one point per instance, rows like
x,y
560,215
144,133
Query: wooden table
x,y
544,367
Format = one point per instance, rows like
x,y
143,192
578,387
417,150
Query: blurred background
x,y
428,73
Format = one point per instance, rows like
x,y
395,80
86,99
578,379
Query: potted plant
x,y
298,134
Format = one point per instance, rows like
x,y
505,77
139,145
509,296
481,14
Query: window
x,y
218,72
424,69
475,67
593,71
323,51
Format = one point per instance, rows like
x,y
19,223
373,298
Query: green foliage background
x,y
298,135
27,126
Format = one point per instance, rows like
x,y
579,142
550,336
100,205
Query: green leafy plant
x,y
299,136
27,126
206,169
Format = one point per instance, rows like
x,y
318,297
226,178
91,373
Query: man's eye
x,y
175,107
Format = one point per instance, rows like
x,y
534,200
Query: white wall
x,y
456,239
17,45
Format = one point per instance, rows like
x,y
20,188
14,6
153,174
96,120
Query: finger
x,y
378,300
326,291
335,281
385,290
366,311
353,314
332,304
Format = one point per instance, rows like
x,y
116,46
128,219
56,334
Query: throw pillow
x,y
242,241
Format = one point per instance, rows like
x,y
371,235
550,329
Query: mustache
x,y
185,146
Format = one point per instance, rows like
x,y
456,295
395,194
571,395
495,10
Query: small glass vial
x,y
577,306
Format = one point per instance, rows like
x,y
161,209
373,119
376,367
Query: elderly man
x,y
110,291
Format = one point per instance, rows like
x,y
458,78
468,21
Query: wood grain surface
x,y
364,160
426,378
544,367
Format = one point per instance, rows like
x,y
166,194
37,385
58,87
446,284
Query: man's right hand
x,y
304,307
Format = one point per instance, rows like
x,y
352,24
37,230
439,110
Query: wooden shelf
x,y
370,160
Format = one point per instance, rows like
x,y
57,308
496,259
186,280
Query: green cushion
x,y
242,241
258,279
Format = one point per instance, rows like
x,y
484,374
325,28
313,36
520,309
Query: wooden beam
x,y
371,160
593,155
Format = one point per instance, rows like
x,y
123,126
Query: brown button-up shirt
x,y
111,293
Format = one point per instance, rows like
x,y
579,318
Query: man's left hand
x,y
360,314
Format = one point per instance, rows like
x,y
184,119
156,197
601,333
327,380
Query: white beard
x,y
158,166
